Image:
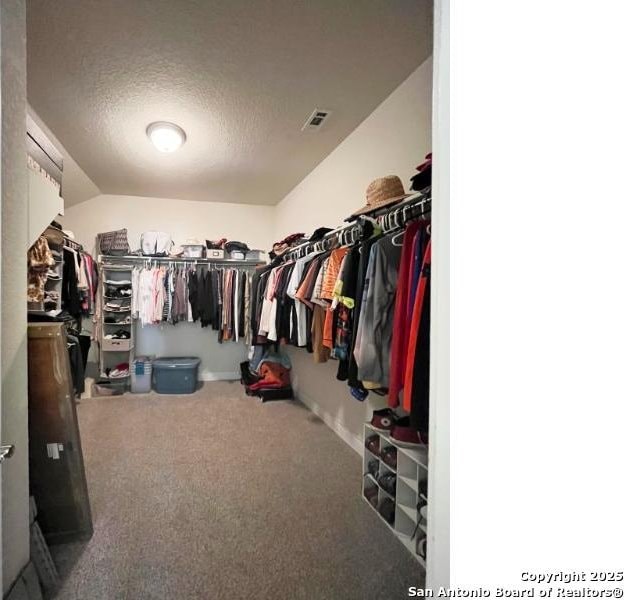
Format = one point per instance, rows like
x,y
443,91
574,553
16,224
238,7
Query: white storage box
x,y
141,376
250,255
116,345
218,254
193,251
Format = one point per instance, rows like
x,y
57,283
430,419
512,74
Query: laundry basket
x,y
141,375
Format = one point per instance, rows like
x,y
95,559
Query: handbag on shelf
x,y
113,243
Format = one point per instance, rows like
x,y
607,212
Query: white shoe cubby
x,y
410,525
115,351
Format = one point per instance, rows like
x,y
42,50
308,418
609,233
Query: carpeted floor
x,y
217,496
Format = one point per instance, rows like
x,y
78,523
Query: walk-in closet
x,y
229,260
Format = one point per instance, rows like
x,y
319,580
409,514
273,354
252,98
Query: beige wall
x,y
392,140
13,248
182,219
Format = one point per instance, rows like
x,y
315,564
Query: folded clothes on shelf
x,y
120,282
116,306
118,292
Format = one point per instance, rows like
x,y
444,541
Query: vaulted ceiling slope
x,y
240,77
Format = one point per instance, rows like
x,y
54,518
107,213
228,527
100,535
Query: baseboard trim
x,y
219,376
336,426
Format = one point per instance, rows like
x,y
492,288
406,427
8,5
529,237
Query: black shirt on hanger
x,y
70,299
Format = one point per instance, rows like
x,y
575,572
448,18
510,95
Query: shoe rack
x,y
115,351
409,526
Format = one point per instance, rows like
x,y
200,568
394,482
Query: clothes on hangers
x,y
364,303
372,345
174,293
70,296
411,257
77,363
416,397
40,260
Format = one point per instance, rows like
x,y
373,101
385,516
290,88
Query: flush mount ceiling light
x,y
167,137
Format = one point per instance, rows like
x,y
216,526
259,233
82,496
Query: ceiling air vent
x,y
316,119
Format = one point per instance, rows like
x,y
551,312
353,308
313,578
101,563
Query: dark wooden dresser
x,y
57,474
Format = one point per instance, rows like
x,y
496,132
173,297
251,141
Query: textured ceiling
x,y
240,77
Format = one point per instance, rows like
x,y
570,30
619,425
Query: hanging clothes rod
x,y
117,260
387,219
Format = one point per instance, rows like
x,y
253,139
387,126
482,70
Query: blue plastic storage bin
x,y
175,375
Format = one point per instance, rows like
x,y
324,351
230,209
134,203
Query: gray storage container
x,y
175,375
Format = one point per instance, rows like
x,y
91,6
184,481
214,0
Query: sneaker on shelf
x,y
421,507
387,482
371,494
120,371
389,456
383,419
386,510
422,489
372,444
421,548
403,434
373,468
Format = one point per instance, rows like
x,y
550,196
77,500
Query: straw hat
x,y
382,192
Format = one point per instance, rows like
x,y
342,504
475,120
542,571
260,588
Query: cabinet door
x,y
57,475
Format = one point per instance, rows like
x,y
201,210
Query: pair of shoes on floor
x,y
400,429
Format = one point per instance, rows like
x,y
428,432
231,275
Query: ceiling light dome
x,y
167,137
